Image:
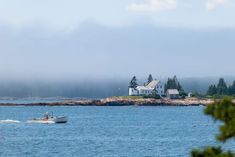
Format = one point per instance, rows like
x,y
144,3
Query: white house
x,y
147,90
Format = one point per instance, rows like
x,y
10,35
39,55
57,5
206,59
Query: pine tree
x,y
173,83
133,83
209,91
231,89
223,111
212,90
222,88
150,78
154,92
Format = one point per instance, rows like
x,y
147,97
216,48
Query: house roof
x,y
172,91
153,84
144,88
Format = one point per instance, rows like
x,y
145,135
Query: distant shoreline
x,y
120,101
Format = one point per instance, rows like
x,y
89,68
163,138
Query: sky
x,y
60,39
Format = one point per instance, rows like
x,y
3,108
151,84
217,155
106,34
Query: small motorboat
x,y
50,118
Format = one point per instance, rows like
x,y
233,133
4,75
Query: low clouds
x,y
97,51
153,5
213,4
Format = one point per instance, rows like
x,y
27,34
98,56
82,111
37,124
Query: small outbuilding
x,y
172,94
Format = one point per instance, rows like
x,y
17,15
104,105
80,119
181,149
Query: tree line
x,y
221,89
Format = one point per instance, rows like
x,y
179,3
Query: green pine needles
x,y
224,111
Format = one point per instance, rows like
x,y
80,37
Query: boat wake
x,y
9,121
40,121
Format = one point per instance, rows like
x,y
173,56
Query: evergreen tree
x,y
222,88
150,78
223,111
212,90
133,83
231,89
173,83
154,92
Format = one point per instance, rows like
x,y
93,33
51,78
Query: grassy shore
x,y
131,97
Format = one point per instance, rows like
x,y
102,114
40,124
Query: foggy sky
x,y
99,51
77,40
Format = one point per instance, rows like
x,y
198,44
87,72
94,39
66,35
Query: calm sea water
x,y
31,100
107,131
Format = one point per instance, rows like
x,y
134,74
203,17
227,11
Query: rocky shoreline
x,y
120,101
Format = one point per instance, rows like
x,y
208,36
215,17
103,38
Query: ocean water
x,y
107,132
31,100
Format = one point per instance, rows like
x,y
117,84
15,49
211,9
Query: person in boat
x,y
46,116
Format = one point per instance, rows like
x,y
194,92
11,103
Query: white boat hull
x,y
58,119
50,120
